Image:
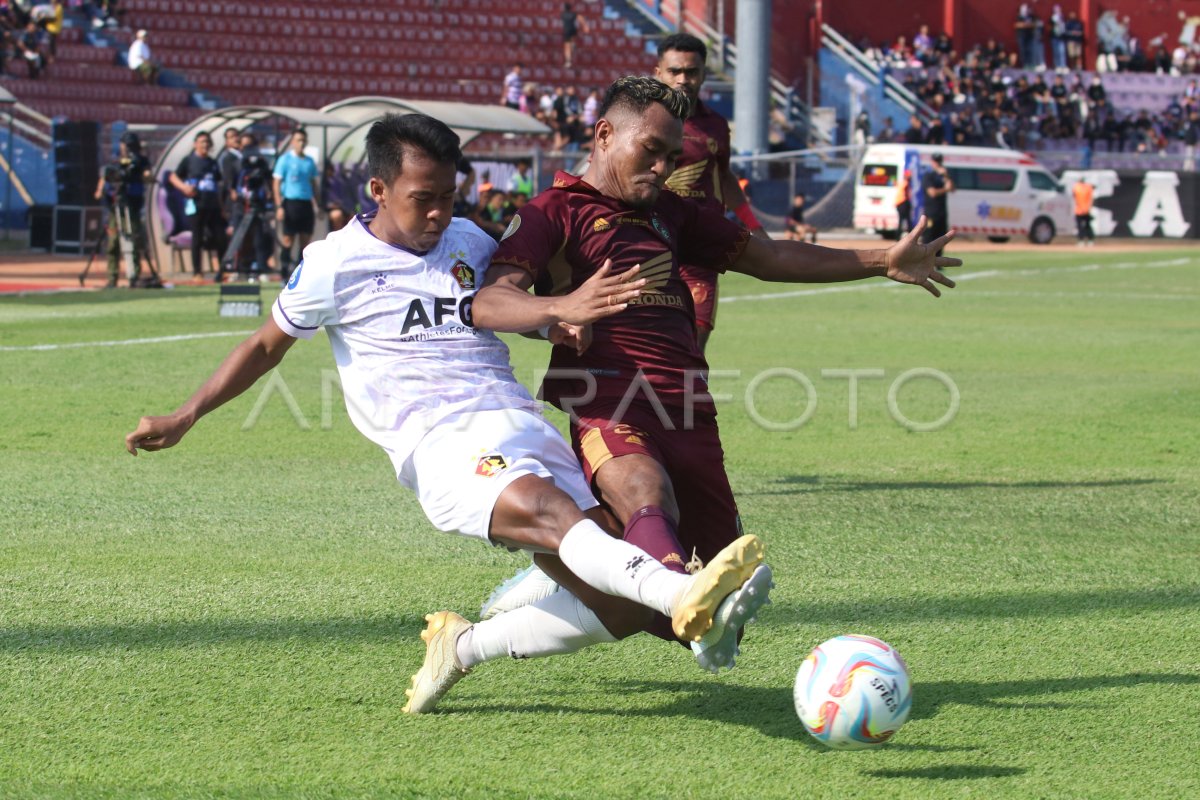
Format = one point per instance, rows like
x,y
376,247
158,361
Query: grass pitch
x,y
238,617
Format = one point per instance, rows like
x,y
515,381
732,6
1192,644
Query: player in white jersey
x,y
393,291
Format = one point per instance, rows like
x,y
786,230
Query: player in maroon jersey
x,y
642,421
702,172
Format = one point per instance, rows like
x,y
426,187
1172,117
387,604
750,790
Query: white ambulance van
x,y
998,193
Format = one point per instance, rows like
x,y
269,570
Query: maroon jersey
x,y
565,234
705,156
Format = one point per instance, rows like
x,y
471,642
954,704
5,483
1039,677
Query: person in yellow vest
x,y
521,181
904,202
1083,193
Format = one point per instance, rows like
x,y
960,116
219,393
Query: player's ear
x,y
378,190
604,133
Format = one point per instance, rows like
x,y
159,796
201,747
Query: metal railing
x,y
870,71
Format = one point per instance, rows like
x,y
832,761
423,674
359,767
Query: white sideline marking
x,y
183,337
989,273
958,278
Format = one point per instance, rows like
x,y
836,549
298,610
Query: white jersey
x,y
400,326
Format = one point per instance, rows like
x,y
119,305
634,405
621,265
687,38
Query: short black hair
x,y
392,133
684,43
637,93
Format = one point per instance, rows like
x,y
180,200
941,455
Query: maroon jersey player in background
x,y
702,172
642,421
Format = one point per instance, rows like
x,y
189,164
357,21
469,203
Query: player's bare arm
x,y
504,303
736,201
907,261
249,361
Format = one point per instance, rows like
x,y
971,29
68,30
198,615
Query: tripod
x,y
253,218
129,250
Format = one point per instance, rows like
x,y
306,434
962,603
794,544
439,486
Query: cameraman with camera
x,y
122,187
251,213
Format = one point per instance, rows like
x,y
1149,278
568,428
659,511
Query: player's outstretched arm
x,y
248,362
907,261
504,303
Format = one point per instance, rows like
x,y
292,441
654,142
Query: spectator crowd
x,y
993,97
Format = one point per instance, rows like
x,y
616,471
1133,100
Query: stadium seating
x,y
310,53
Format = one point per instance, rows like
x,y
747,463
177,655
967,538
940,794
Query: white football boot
x,y
523,589
719,646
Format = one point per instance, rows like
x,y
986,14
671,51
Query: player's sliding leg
x,y
555,625
526,587
532,513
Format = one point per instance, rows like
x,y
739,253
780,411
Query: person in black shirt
x,y
198,177
122,188
572,25
797,228
936,185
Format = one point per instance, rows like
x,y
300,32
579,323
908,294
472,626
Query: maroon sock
x,y
652,530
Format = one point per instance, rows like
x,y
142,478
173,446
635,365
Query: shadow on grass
x,y
770,710
982,606
949,772
168,634
815,483
202,634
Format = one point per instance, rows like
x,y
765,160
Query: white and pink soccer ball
x,y
853,692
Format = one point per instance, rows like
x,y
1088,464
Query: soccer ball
x,y
853,692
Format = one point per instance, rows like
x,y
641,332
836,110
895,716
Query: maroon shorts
x,y
703,285
693,459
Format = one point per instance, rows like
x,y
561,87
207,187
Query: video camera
x,y
255,182
126,175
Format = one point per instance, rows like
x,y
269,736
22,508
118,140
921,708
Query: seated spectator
x,y
797,229
140,60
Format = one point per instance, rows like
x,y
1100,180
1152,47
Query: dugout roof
x,y
338,130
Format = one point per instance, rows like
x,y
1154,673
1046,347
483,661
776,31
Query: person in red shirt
x,y
702,171
643,423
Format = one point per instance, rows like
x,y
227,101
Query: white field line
x,y
960,277
184,337
991,273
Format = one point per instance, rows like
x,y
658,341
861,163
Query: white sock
x,y
618,568
554,625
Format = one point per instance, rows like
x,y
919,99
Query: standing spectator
x,y
198,177
797,228
888,133
916,132
1074,38
862,127
1082,191
141,61
29,45
1058,38
231,166
1191,136
937,184
1024,25
513,89
49,17
904,202
572,25
296,202
591,106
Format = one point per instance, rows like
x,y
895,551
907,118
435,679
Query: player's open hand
x,y
156,433
603,294
909,261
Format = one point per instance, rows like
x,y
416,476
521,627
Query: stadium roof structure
x,y
468,120
339,128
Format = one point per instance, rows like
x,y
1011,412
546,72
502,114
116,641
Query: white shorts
x,y
459,468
